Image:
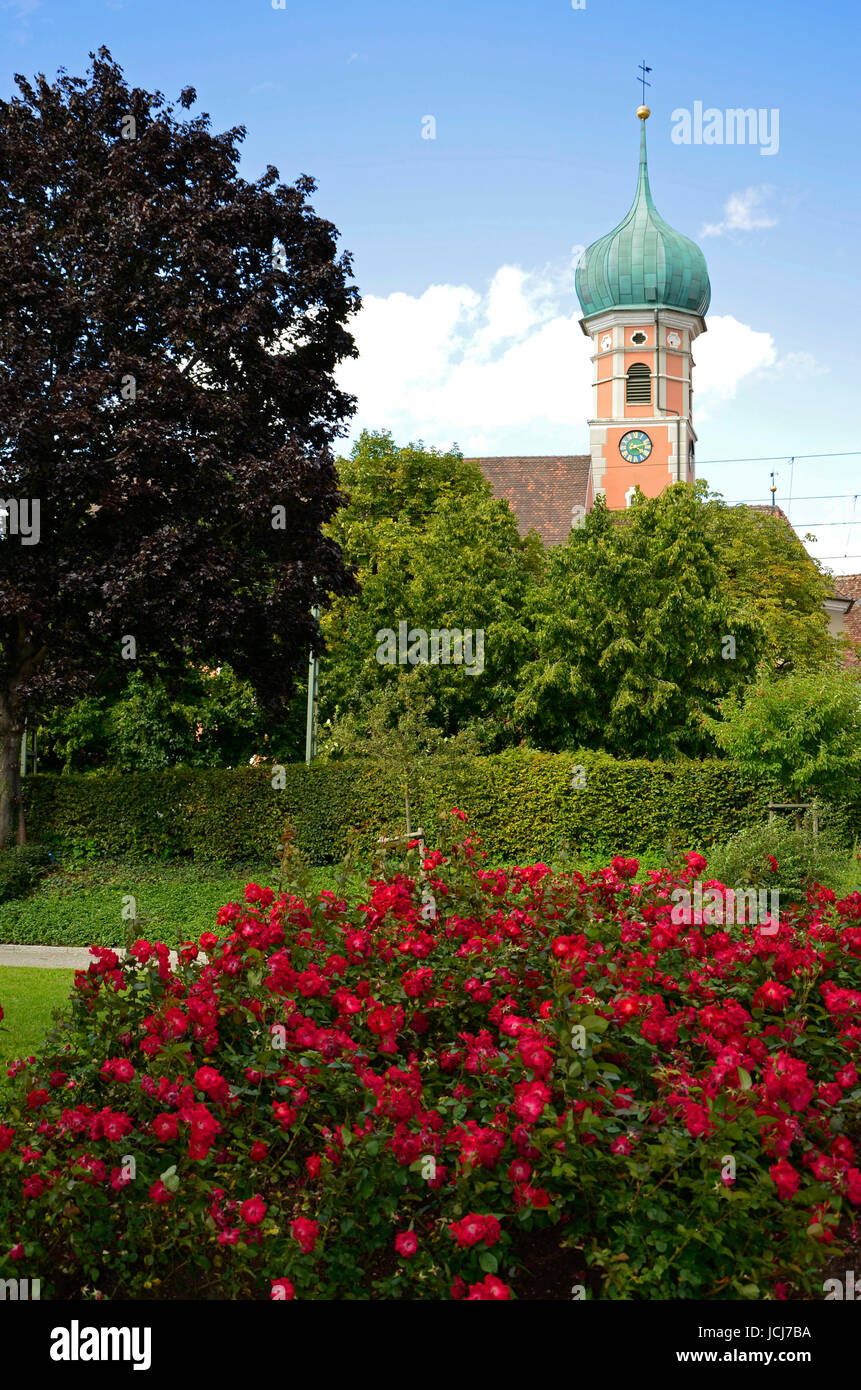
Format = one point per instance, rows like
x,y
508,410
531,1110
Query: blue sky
x,y
464,244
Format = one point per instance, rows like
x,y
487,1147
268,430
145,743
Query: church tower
x,y
644,290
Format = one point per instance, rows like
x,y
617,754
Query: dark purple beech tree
x,y
168,339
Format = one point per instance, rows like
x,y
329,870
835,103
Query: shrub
x,y
392,1099
21,867
522,803
802,730
745,859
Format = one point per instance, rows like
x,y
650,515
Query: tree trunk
x,y
10,782
24,656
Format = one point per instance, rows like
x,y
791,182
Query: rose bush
x,y
393,1099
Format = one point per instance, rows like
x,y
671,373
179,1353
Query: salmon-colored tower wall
x,y
660,341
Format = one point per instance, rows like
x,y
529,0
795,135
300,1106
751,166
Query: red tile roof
x,y
766,507
541,490
849,586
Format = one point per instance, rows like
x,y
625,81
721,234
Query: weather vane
x,y
642,78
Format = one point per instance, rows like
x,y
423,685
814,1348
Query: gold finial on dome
x,y
643,112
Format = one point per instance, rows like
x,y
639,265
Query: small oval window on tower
x,y
638,386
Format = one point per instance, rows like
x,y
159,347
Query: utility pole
x,y
313,694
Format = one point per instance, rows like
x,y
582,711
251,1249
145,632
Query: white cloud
x,y
743,212
800,365
725,355
731,353
508,371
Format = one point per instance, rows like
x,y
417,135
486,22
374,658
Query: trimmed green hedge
x,y
519,804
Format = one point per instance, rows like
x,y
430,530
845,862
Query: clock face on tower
x,y
673,340
635,446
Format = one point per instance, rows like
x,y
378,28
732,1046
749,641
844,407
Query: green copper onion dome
x,y
643,263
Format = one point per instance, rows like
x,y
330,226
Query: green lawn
x,y
29,998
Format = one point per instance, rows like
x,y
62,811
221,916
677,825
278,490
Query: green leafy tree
x,y
204,718
636,636
433,549
770,575
803,732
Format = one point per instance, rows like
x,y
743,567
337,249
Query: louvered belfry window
x,y
638,386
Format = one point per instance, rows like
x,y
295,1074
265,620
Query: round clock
x,y
606,342
673,340
635,446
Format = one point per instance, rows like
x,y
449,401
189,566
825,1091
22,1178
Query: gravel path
x,y
55,957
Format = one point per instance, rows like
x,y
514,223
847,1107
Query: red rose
x,y
406,1244
830,1093
696,1119
473,1228
208,1080
530,1100
489,1288
536,1196
772,995
305,1231
785,1179
841,1148
253,1211
159,1193
110,1125
282,1290
259,1150
165,1127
